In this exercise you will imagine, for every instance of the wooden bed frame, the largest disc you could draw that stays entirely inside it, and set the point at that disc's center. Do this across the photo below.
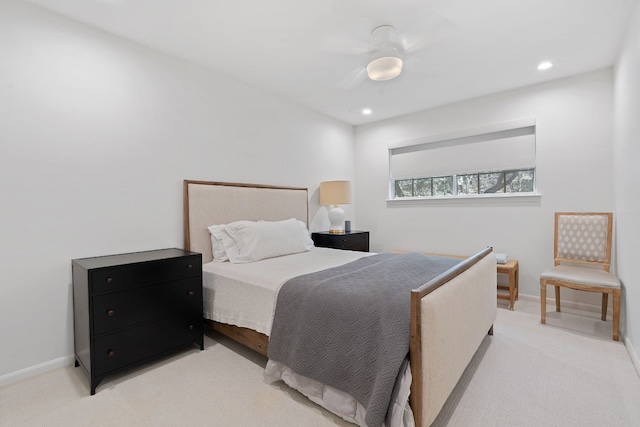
(458, 306)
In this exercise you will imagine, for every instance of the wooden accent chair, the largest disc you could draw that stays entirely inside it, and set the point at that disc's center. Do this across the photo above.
(583, 240)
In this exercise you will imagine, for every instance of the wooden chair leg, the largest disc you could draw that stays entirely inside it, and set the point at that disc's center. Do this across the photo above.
(616, 314)
(543, 302)
(557, 298)
(605, 303)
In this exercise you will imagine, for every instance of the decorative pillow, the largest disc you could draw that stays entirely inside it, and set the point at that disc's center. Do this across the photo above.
(249, 241)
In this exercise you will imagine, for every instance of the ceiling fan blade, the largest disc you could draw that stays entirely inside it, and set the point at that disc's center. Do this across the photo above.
(340, 43)
(353, 79)
(430, 33)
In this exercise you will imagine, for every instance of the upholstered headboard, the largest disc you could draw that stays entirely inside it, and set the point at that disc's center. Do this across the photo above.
(207, 203)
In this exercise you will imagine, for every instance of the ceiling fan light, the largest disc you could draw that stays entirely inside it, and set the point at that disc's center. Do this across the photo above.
(385, 65)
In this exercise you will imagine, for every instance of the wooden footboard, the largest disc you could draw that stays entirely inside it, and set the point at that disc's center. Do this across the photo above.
(456, 318)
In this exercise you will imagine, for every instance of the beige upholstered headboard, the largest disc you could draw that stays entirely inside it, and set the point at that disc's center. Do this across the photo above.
(207, 203)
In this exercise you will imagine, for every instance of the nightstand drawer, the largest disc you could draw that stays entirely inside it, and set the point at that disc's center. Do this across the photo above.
(120, 349)
(140, 274)
(353, 241)
(117, 310)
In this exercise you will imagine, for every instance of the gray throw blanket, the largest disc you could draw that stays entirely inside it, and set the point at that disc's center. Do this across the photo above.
(348, 326)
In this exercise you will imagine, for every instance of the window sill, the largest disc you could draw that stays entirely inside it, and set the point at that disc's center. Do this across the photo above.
(527, 198)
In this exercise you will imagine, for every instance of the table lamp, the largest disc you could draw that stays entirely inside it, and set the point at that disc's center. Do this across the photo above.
(335, 193)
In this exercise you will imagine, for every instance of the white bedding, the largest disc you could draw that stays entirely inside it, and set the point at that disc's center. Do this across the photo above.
(341, 403)
(246, 294)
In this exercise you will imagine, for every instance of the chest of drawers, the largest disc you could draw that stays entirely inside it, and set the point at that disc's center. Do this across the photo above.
(130, 308)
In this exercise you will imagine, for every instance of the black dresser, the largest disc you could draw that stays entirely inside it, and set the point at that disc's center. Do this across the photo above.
(350, 240)
(129, 308)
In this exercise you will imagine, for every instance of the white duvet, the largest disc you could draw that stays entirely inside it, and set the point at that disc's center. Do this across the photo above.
(246, 294)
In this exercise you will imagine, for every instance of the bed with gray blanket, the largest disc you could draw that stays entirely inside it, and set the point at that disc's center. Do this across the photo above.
(364, 307)
(352, 327)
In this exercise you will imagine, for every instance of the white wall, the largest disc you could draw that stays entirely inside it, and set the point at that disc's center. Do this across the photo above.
(574, 173)
(626, 148)
(96, 136)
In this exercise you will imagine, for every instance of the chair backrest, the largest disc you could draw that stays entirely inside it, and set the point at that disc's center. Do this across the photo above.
(583, 237)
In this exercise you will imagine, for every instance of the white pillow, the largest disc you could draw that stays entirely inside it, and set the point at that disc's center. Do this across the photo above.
(249, 241)
(217, 243)
(306, 235)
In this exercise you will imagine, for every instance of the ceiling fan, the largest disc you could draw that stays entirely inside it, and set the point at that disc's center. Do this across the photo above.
(388, 52)
(385, 61)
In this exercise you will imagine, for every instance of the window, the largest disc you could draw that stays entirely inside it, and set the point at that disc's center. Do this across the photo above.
(424, 187)
(499, 159)
(519, 181)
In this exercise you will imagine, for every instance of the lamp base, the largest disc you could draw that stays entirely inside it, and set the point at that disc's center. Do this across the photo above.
(336, 218)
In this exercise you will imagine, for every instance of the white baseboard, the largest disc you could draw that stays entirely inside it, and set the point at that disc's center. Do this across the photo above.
(632, 354)
(32, 371)
(551, 302)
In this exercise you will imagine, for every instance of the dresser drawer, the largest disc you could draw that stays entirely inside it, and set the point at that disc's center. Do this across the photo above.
(120, 309)
(140, 274)
(123, 348)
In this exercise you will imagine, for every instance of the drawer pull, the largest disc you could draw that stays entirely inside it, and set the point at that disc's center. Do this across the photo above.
(189, 266)
(191, 327)
(110, 312)
(189, 293)
(111, 353)
(109, 279)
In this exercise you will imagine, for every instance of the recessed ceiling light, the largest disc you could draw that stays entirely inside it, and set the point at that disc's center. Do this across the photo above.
(545, 65)
(366, 111)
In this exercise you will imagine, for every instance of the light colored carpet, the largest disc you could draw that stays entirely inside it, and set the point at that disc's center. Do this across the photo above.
(567, 373)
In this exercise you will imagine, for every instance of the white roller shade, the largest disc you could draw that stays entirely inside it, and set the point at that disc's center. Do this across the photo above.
(494, 151)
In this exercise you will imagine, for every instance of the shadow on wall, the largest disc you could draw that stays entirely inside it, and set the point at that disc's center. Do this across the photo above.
(320, 221)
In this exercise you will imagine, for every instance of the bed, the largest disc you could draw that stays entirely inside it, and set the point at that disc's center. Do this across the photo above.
(449, 316)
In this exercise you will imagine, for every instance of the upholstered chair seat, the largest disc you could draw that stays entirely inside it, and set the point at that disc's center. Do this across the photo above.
(581, 276)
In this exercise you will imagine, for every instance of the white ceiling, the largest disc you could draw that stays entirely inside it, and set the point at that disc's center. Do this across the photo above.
(313, 52)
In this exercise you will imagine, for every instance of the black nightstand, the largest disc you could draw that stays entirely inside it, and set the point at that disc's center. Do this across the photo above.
(351, 240)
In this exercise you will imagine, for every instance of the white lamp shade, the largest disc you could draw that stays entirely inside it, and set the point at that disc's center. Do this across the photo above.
(335, 192)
